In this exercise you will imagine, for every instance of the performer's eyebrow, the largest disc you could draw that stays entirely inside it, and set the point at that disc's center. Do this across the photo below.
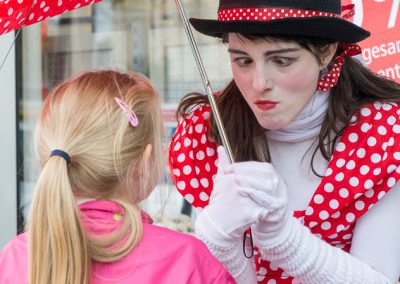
(267, 53)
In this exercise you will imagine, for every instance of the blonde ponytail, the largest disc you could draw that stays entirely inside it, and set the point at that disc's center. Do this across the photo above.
(58, 247)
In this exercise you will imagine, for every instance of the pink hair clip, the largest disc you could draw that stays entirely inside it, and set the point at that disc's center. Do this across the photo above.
(133, 120)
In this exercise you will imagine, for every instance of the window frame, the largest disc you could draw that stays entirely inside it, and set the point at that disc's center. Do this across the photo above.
(8, 143)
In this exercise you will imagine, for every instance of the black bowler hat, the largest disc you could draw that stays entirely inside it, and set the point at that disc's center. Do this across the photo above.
(315, 18)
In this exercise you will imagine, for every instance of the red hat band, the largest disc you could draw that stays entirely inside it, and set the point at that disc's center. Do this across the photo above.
(267, 14)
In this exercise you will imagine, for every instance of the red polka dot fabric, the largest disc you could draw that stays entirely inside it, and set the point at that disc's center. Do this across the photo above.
(330, 79)
(192, 158)
(267, 14)
(365, 165)
(363, 168)
(19, 13)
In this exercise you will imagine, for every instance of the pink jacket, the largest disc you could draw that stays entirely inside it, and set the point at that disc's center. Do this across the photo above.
(163, 255)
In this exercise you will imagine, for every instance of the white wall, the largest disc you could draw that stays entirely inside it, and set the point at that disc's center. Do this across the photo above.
(8, 128)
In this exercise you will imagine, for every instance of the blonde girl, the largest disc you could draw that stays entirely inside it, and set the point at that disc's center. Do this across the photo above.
(100, 150)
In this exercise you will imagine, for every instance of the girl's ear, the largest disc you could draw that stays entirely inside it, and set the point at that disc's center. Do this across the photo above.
(147, 153)
(329, 54)
(148, 181)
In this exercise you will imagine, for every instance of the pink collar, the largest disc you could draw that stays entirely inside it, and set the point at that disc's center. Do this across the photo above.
(107, 207)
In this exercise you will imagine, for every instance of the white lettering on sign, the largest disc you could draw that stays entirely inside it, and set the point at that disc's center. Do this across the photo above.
(382, 50)
(359, 12)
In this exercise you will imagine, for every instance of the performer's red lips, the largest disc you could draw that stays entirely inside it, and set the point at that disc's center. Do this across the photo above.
(265, 104)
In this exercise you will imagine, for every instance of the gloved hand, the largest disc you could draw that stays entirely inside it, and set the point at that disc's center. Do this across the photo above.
(236, 201)
(269, 226)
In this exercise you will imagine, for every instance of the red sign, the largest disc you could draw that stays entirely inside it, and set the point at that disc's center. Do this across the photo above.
(381, 51)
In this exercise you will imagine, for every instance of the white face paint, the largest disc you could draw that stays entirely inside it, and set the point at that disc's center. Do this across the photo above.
(277, 79)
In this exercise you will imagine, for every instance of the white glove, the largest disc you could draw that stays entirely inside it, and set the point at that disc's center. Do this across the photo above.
(270, 226)
(235, 203)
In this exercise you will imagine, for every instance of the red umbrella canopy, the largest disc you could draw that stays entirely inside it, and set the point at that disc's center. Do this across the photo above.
(15, 14)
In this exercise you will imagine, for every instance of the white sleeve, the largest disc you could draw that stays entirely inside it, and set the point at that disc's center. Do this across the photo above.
(313, 261)
(376, 239)
(229, 252)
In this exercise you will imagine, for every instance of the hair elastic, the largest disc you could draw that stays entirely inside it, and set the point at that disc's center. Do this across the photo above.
(61, 154)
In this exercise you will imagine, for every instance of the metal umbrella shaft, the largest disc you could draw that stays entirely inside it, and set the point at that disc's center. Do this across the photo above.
(206, 82)
(214, 108)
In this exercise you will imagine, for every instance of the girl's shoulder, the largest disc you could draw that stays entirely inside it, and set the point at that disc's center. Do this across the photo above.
(192, 157)
(180, 253)
(172, 243)
(15, 247)
(14, 261)
(173, 238)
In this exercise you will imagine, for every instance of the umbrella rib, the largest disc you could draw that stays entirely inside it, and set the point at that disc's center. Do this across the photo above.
(16, 36)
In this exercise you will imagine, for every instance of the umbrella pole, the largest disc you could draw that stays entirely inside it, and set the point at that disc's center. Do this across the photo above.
(206, 82)
(214, 109)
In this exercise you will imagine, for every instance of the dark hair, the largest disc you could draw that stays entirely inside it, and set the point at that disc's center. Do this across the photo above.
(356, 86)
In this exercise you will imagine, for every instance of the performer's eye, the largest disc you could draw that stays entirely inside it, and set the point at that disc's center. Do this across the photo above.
(283, 61)
(242, 61)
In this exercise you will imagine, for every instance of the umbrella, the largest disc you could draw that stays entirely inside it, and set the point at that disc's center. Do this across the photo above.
(15, 14)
